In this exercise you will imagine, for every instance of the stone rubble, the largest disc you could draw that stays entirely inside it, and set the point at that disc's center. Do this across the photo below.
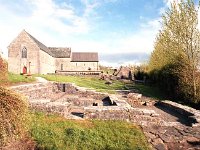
(163, 131)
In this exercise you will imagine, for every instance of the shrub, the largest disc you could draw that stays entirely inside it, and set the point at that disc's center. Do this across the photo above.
(3, 70)
(140, 75)
(166, 80)
(13, 116)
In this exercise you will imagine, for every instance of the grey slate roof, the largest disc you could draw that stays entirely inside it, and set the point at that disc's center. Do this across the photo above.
(57, 52)
(60, 52)
(84, 57)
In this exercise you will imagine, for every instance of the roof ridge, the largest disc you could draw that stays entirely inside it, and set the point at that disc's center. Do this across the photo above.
(36, 40)
(40, 44)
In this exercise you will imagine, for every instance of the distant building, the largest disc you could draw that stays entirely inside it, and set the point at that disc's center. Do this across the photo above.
(27, 55)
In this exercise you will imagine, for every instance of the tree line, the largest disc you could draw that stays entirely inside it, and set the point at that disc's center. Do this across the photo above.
(175, 61)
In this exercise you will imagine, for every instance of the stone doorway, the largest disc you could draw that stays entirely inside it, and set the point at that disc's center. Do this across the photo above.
(24, 70)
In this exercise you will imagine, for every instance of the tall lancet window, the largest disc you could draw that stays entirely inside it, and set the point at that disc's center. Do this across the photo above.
(24, 52)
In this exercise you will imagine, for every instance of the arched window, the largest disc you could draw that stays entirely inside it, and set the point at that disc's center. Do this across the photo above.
(24, 52)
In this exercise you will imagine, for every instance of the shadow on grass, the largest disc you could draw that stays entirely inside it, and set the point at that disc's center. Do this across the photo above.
(148, 91)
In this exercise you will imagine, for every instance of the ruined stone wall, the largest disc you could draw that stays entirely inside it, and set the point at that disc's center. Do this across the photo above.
(46, 106)
(192, 114)
(15, 62)
(136, 115)
(37, 90)
(47, 63)
(70, 88)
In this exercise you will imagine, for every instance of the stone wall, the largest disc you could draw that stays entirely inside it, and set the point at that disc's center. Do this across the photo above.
(124, 73)
(62, 61)
(192, 114)
(46, 106)
(15, 62)
(75, 66)
(136, 100)
(58, 98)
(47, 63)
(84, 66)
(38, 61)
(70, 88)
(136, 115)
(42, 97)
(37, 90)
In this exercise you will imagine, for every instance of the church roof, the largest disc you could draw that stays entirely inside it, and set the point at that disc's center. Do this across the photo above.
(84, 57)
(60, 52)
(57, 52)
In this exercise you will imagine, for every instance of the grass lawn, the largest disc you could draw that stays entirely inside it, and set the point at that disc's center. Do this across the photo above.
(89, 82)
(56, 133)
(148, 91)
(17, 78)
(99, 85)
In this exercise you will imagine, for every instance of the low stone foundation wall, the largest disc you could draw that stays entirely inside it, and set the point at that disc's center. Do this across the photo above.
(137, 115)
(46, 106)
(70, 88)
(135, 99)
(57, 98)
(74, 102)
(192, 114)
(61, 98)
(36, 90)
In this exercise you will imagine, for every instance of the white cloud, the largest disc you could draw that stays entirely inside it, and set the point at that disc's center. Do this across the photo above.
(45, 16)
(142, 40)
(54, 25)
(90, 6)
(56, 17)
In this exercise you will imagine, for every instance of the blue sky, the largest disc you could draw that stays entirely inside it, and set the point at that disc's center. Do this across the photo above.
(122, 31)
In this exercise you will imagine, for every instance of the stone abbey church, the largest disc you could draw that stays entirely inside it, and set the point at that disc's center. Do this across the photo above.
(27, 55)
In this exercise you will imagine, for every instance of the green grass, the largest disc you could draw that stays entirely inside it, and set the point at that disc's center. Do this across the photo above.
(148, 91)
(56, 133)
(99, 85)
(89, 82)
(16, 78)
